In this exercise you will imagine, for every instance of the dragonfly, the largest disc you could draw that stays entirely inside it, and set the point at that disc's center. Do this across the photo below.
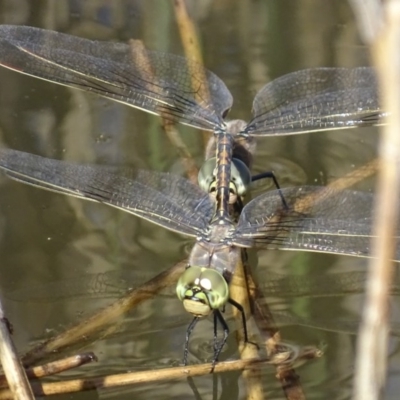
(182, 91)
(317, 219)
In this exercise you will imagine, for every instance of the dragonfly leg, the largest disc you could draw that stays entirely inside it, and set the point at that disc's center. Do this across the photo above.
(244, 323)
(272, 176)
(189, 331)
(242, 313)
(215, 332)
(218, 347)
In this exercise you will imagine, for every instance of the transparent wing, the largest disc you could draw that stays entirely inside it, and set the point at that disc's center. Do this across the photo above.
(165, 199)
(110, 284)
(318, 219)
(160, 83)
(114, 284)
(348, 326)
(317, 99)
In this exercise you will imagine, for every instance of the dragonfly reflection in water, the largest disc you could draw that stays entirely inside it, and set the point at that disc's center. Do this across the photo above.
(181, 90)
(314, 219)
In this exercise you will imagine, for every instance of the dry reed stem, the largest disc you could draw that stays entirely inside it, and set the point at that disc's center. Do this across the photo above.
(372, 347)
(252, 377)
(55, 367)
(13, 370)
(134, 378)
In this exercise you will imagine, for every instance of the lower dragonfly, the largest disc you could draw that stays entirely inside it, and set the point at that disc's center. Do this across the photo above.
(319, 219)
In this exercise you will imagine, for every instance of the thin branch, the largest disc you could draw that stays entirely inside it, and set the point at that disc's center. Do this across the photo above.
(13, 370)
(55, 367)
(239, 293)
(166, 374)
(371, 363)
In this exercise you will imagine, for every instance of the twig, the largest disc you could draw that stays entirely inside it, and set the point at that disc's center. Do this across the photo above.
(132, 378)
(62, 365)
(14, 372)
(56, 367)
(251, 376)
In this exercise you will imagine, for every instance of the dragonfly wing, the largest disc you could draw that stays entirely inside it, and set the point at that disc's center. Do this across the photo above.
(109, 284)
(113, 284)
(164, 84)
(311, 285)
(319, 219)
(165, 199)
(317, 99)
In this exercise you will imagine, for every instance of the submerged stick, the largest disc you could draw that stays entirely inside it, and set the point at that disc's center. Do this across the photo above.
(106, 316)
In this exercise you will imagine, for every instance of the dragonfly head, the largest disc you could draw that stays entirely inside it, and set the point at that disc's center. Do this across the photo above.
(202, 290)
(240, 178)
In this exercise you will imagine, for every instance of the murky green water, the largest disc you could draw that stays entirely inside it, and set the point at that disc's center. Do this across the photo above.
(48, 237)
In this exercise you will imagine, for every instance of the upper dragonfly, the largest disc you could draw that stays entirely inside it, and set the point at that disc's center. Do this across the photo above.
(182, 90)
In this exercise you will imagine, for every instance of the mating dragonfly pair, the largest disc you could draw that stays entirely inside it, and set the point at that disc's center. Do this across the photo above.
(317, 219)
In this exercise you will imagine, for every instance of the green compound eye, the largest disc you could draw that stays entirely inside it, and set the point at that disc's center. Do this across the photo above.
(202, 290)
(240, 176)
(206, 175)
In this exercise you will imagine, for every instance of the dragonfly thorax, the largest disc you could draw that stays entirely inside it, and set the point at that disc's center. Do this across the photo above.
(202, 290)
(235, 126)
(239, 183)
(217, 253)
